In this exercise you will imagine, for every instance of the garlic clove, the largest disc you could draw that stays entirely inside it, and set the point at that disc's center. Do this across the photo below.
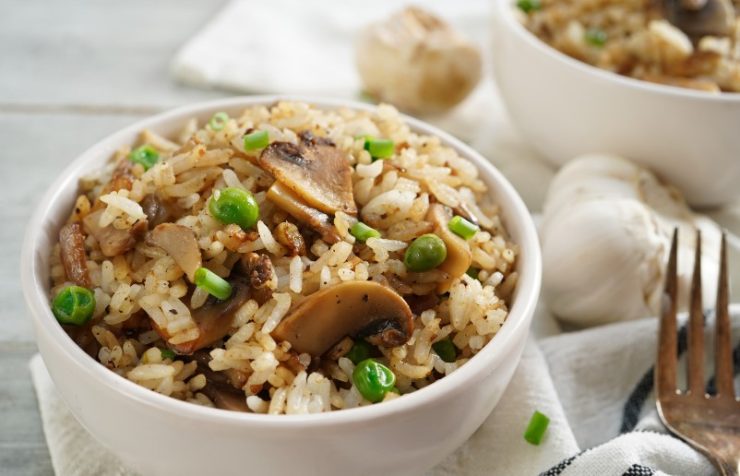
(417, 62)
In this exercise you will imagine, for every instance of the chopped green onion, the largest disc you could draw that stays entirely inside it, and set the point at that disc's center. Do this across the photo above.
(167, 354)
(379, 148)
(218, 121)
(73, 305)
(462, 227)
(373, 379)
(536, 428)
(473, 272)
(145, 155)
(528, 5)
(445, 349)
(362, 232)
(360, 351)
(595, 37)
(256, 140)
(212, 283)
(234, 205)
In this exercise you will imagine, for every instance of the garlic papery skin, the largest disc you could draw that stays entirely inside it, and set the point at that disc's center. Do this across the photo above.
(606, 234)
(417, 62)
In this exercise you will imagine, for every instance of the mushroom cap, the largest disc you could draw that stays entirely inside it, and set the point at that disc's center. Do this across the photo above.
(459, 256)
(213, 319)
(180, 243)
(291, 204)
(701, 18)
(315, 170)
(356, 308)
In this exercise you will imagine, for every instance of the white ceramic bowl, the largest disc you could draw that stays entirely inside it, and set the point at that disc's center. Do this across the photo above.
(158, 435)
(565, 107)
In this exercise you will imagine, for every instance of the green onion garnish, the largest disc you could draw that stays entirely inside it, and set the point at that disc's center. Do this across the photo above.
(256, 140)
(362, 232)
(462, 227)
(73, 305)
(167, 354)
(528, 5)
(473, 272)
(379, 148)
(595, 37)
(145, 155)
(218, 121)
(212, 283)
(445, 349)
(536, 428)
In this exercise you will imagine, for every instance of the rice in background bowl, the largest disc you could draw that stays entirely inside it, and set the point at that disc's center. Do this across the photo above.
(115, 410)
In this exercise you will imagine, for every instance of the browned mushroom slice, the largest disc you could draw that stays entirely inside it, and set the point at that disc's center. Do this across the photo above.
(459, 256)
(213, 319)
(179, 242)
(288, 202)
(74, 259)
(699, 18)
(157, 210)
(315, 170)
(355, 308)
(113, 241)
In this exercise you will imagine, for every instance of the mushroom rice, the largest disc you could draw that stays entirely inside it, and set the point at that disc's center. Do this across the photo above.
(692, 43)
(286, 260)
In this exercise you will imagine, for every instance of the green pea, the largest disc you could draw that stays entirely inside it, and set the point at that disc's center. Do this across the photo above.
(167, 354)
(73, 305)
(425, 253)
(235, 205)
(373, 379)
(360, 351)
(445, 349)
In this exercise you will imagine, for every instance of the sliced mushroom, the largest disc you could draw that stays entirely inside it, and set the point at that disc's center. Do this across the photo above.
(223, 388)
(213, 319)
(180, 243)
(699, 18)
(291, 204)
(113, 241)
(157, 211)
(355, 308)
(459, 256)
(121, 178)
(74, 259)
(287, 234)
(315, 170)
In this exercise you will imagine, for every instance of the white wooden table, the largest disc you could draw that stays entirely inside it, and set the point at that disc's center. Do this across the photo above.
(70, 73)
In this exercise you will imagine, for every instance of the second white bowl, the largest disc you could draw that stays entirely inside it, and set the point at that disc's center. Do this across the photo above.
(566, 108)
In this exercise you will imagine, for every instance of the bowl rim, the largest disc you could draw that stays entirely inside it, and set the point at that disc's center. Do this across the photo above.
(506, 11)
(520, 314)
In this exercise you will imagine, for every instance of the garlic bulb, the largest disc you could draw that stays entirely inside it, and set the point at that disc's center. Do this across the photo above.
(417, 62)
(606, 234)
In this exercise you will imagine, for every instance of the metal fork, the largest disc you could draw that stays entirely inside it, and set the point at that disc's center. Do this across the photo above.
(711, 424)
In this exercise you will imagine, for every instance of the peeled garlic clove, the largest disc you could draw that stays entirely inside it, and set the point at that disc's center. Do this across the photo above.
(417, 62)
(606, 235)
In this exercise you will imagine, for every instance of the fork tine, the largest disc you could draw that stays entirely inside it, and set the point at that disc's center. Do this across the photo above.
(695, 339)
(722, 341)
(665, 370)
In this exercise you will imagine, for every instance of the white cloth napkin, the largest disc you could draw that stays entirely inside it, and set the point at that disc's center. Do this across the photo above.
(595, 385)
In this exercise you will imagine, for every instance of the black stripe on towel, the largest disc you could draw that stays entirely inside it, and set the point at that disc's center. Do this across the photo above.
(639, 470)
(636, 400)
(560, 467)
(711, 385)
